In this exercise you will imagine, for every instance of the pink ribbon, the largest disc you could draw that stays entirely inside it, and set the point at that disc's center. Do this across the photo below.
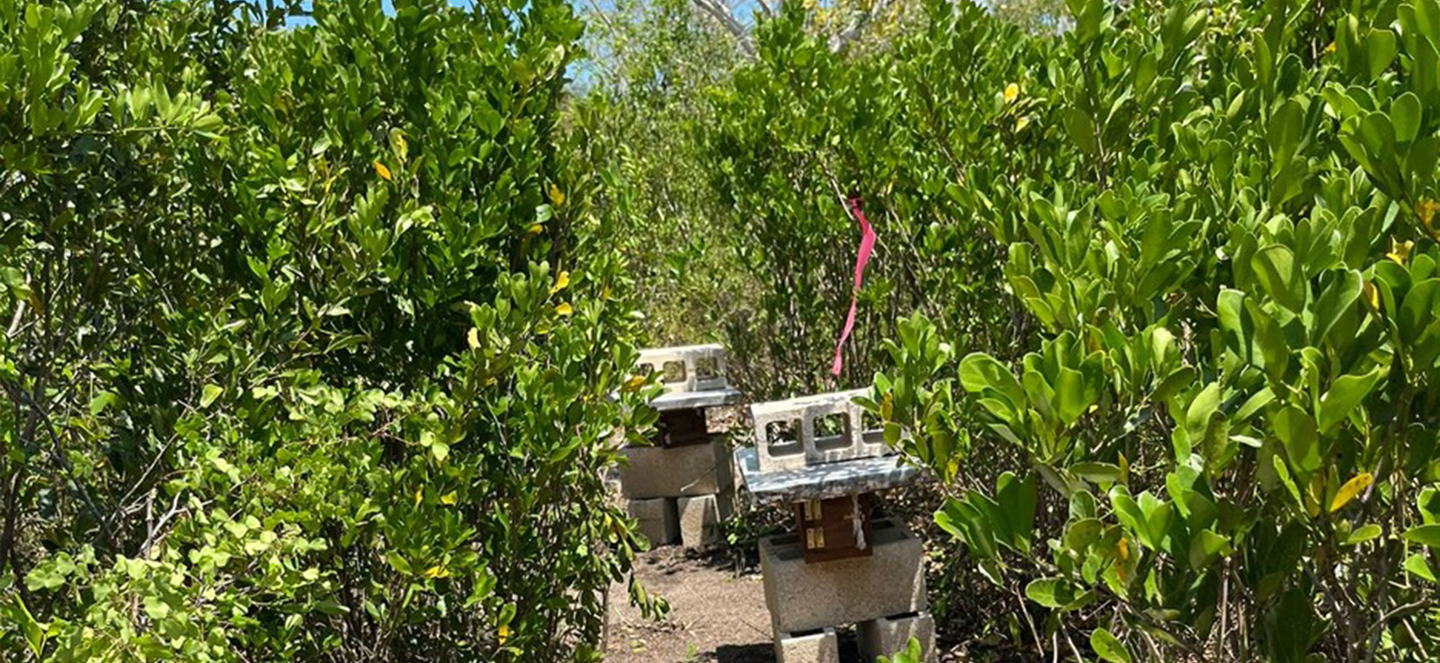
(867, 244)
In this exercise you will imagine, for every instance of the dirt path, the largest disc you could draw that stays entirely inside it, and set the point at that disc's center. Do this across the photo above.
(715, 616)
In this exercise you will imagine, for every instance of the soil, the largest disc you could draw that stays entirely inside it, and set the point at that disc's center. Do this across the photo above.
(715, 615)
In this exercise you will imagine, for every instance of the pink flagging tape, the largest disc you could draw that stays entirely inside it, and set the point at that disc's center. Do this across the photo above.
(867, 244)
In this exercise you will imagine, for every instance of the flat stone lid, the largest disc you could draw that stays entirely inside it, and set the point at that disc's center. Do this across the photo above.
(823, 481)
(684, 400)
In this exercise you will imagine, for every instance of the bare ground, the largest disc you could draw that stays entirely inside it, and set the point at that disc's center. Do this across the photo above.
(715, 615)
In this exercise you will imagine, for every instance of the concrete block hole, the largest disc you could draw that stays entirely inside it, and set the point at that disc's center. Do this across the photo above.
(784, 438)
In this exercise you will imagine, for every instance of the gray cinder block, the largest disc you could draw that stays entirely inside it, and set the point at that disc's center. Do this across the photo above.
(656, 519)
(695, 469)
(691, 358)
(812, 448)
(819, 647)
(700, 518)
(886, 635)
(803, 597)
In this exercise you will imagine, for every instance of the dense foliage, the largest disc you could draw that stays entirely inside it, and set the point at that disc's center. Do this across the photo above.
(806, 126)
(309, 335)
(1222, 217)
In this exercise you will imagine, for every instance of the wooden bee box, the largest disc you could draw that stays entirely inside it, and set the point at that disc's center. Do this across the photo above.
(678, 428)
(827, 528)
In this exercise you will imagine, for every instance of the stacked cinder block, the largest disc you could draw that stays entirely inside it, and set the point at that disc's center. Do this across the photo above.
(841, 565)
(680, 487)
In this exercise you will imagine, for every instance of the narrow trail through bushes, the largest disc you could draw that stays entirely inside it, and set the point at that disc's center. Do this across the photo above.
(715, 615)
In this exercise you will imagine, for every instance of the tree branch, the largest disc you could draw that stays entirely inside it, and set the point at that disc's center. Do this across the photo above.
(723, 14)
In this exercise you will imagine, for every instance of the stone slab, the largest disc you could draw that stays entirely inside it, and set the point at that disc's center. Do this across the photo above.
(822, 646)
(817, 482)
(811, 446)
(694, 469)
(681, 400)
(887, 635)
(803, 597)
(657, 519)
(701, 517)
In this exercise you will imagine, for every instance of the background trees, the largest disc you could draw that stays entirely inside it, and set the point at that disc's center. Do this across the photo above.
(310, 336)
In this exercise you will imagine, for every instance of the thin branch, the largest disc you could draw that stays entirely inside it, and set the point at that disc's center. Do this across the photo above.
(726, 17)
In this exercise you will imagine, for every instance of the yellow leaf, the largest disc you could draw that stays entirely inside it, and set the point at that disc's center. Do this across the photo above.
(556, 195)
(503, 633)
(564, 309)
(1400, 251)
(634, 383)
(1372, 297)
(419, 492)
(561, 282)
(1012, 92)
(1351, 488)
(1330, 48)
(382, 171)
(1021, 123)
(473, 338)
(535, 229)
(887, 406)
(1426, 211)
(448, 498)
(436, 572)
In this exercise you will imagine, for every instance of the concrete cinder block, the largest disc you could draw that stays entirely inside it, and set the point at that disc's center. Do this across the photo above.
(822, 646)
(812, 448)
(887, 635)
(700, 518)
(694, 469)
(803, 597)
(657, 520)
(701, 367)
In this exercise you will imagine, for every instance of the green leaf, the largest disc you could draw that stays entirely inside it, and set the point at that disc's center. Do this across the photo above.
(1053, 593)
(1419, 564)
(1205, 547)
(1081, 129)
(1344, 396)
(1363, 534)
(1418, 309)
(1108, 647)
(980, 372)
(1406, 115)
(1426, 535)
(209, 394)
(1298, 433)
(1016, 499)
(1279, 274)
(101, 401)
(1284, 132)
(1380, 49)
(1097, 472)
(1338, 298)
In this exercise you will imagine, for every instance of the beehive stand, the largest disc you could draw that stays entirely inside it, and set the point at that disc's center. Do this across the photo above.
(680, 487)
(841, 565)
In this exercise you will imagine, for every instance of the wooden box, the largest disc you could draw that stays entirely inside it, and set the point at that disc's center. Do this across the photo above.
(837, 528)
(678, 428)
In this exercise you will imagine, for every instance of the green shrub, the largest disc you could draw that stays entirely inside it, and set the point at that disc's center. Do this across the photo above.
(805, 126)
(1225, 445)
(309, 337)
